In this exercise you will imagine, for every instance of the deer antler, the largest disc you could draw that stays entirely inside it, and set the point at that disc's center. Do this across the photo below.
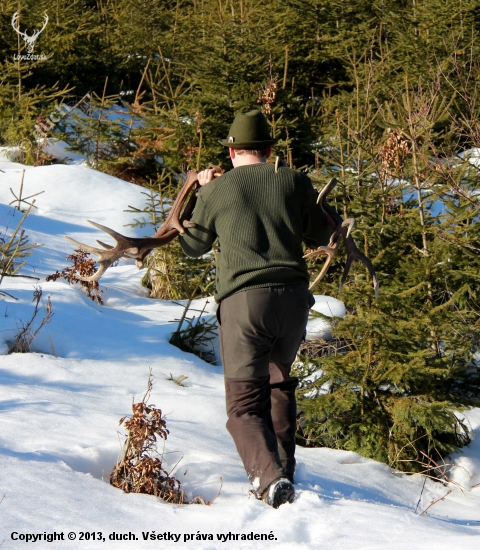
(138, 248)
(344, 229)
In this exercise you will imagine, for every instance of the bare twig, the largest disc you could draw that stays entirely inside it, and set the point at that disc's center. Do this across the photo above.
(26, 335)
(457, 244)
(421, 493)
(435, 502)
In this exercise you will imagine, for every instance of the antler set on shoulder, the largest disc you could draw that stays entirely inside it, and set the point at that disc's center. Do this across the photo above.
(344, 229)
(177, 220)
(138, 248)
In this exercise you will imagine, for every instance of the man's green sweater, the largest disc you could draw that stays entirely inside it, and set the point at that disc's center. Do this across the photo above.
(260, 218)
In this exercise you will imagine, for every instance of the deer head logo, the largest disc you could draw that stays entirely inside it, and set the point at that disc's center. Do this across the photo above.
(29, 40)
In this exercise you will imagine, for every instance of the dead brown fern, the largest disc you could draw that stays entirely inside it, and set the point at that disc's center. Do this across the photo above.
(137, 471)
(84, 266)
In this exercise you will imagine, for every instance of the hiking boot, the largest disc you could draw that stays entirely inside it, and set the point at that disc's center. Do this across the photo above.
(279, 492)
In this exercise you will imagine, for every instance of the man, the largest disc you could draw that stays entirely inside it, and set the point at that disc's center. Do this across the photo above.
(261, 216)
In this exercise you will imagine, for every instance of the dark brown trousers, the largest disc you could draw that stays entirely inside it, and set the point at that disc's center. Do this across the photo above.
(260, 331)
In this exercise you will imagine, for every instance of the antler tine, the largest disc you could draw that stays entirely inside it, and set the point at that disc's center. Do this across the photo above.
(85, 247)
(355, 254)
(107, 246)
(117, 236)
(330, 252)
(100, 271)
(349, 223)
(326, 190)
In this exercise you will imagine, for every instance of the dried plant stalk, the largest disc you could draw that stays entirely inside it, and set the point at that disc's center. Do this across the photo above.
(27, 334)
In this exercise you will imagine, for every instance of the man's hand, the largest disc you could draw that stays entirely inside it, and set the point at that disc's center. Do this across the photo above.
(206, 176)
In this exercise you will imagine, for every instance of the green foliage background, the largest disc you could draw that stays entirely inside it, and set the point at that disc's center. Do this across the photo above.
(382, 95)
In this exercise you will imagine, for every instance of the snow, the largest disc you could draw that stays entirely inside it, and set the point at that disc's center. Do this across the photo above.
(319, 327)
(60, 407)
(51, 146)
(59, 150)
(466, 466)
(10, 155)
(472, 156)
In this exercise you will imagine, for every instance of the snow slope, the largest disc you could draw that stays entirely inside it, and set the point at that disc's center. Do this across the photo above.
(60, 409)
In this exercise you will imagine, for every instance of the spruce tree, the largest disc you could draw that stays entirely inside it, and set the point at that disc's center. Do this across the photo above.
(408, 362)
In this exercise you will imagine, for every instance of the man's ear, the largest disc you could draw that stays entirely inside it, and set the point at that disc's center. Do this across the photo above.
(269, 151)
(231, 150)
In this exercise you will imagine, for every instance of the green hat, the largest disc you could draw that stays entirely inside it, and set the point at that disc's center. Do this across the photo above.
(249, 131)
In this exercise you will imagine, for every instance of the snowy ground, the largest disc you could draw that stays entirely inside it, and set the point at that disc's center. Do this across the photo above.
(60, 409)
